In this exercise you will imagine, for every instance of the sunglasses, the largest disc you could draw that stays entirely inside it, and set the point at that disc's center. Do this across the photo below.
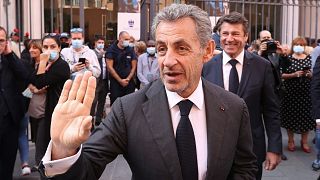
(52, 35)
(73, 30)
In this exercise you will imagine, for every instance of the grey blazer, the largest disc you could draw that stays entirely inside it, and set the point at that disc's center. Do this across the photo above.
(139, 126)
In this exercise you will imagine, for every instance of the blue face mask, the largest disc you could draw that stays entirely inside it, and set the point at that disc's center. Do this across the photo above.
(298, 49)
(151, 50)
(53, 56)
(77, 43)
(125, 43)
(131, 45)
(100, 46)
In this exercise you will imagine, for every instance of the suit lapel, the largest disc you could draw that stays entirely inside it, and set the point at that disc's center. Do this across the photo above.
(216, 117)
(157, 113)
(246, 72)
(218, 77)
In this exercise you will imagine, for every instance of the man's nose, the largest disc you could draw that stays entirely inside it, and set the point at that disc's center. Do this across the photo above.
(170, 58)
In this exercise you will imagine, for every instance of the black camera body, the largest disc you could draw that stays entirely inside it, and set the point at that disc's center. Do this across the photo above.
(271, 46)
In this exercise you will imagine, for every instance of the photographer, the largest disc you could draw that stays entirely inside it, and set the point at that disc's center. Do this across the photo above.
(277, 55)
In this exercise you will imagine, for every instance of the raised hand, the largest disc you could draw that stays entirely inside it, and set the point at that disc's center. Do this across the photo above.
(71, 120)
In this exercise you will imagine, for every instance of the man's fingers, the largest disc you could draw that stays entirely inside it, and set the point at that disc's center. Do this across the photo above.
(75, 87)
(83, 86)
(65, 92)
(90, 92)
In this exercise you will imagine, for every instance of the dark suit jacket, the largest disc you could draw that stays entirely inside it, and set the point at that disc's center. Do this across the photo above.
(315, 89)
(257, 89)
(13, 81)
(140, 127)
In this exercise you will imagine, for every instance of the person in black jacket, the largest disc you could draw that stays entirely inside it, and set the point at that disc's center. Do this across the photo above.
(52, 73)
(13, 75)
(122, 65)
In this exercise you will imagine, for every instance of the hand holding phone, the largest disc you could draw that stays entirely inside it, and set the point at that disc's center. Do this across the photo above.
(82, 60)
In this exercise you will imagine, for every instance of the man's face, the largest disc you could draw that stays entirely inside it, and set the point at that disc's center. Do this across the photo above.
(76, 36)
(232, 38)
(180, 56)
(265, 35)
(3, 41)
(124, 37)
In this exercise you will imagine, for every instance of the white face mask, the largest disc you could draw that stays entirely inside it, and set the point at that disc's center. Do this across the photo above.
(77, 43)
(298, 49)
(125, 43)
(151, 50)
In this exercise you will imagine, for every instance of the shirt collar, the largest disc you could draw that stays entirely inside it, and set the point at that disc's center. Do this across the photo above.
(227, 58)
(197, 97)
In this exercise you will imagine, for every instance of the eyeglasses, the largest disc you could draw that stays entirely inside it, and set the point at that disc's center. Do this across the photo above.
(73, 30)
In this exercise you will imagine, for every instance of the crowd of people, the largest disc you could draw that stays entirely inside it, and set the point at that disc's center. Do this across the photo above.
(57, 83)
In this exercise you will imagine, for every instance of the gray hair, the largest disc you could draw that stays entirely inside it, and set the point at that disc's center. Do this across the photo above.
(175, 12)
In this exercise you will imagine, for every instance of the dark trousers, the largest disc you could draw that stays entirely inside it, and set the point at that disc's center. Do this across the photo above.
(99, 100)
(35, 133)
(116, 90)
(43, 139)
(259, 173)
(9, 132)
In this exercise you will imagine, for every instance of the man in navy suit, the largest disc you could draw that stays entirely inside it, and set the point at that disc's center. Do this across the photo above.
(254, 83)
(12, 78)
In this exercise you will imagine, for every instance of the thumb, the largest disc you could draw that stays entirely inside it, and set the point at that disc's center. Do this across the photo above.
(85, 128)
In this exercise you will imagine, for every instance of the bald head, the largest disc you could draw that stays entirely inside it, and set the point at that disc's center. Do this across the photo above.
(265, 35)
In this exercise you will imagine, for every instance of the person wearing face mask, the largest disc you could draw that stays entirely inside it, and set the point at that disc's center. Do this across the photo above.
(148, 69)
(102, 88)
(296, 103)
(76, 51)
(122, 65)
(65, 41)
(132, 41)
(51, 73)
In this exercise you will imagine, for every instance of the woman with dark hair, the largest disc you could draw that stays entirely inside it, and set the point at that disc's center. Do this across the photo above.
(51, 74)
(296, 103)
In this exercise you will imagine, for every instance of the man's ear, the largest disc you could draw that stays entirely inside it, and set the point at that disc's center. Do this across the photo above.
(208, 51)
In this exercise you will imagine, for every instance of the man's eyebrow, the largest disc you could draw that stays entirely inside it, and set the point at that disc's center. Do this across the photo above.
(177, 42)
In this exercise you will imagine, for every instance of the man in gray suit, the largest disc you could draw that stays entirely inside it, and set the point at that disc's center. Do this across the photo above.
(254, 83)
(146, 127)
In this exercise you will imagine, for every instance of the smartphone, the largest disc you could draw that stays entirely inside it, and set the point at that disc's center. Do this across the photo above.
(82, 60)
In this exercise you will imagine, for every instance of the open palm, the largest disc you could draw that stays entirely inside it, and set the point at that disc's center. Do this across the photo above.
(71, 120)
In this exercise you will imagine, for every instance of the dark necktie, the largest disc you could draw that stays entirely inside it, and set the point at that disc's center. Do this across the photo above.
(233, 78)
(186, 143)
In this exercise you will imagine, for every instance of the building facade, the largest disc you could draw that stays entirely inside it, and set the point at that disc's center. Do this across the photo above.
(285, 19)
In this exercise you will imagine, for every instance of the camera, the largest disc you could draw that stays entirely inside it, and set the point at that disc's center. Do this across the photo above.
(271, 46)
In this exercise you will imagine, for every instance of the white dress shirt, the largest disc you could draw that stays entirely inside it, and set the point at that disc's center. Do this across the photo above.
(197, 117)
(226, 67)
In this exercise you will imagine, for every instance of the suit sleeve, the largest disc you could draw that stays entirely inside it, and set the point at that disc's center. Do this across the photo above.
(315, 89)
(104, 145)
(271, 113)
(245, 162)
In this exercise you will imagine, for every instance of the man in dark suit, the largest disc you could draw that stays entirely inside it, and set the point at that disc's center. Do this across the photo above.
(102, 82)
(12, 80)
(145, 126)
(254, 83)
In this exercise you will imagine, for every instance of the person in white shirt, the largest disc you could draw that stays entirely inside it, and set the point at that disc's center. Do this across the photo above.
(77, 51)
(147, 126)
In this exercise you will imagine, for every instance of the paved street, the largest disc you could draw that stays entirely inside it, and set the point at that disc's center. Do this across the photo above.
(297, 167)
